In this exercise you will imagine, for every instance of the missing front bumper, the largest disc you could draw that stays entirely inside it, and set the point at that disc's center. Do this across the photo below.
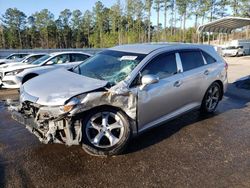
(29, 123)
(63, 131)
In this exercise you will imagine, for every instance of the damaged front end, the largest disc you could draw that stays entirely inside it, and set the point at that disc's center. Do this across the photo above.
(62, 124)
(49, 124)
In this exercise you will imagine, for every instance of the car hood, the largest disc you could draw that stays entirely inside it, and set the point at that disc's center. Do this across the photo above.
(5, 60)
(10, 65)
(18, 66)
(55, 87)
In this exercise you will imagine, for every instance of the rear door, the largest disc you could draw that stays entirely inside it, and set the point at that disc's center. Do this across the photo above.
(194, 76)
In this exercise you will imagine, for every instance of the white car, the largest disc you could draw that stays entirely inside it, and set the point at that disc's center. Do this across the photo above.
(27, 59)
(233, 51)
(13, 77)
(13, 57)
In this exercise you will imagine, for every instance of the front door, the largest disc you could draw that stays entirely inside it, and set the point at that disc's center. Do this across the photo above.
(159, 99)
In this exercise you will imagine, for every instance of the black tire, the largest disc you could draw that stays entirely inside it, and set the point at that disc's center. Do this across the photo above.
(28, 77)
(204, 106)
(117, 148)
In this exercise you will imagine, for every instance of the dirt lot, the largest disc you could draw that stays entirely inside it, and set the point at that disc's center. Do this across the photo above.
(191, 151)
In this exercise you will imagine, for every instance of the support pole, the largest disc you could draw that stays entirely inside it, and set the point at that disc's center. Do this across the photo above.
(208, 37)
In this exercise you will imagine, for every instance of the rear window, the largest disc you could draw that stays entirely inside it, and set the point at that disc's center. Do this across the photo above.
(191, 60)
(209, 59)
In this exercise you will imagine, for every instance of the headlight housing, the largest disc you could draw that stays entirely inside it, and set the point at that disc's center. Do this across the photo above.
(70, 104)
(12, 73)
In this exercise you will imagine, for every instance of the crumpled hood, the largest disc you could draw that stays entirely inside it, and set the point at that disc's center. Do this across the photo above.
(55, 87)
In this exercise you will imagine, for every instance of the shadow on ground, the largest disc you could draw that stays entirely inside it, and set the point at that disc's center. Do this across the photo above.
(2, 174)
(157, 134)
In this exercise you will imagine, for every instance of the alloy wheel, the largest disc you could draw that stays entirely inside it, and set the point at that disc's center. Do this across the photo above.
(104, 129)
(213, 97)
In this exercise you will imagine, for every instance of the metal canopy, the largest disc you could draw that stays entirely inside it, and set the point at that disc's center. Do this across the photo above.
(224, 25)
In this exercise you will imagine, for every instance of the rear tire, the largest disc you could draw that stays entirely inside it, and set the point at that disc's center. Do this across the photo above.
(211, 98)
(105, 132)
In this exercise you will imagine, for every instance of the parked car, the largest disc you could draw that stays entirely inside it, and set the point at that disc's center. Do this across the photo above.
(13, 57)
(14, 77)
(27, 59)
(121, 92)
(233, 51)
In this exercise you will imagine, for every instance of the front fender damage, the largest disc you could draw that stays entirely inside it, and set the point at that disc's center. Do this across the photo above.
(50, 125)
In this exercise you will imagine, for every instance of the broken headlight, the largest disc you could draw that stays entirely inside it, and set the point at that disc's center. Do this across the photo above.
(70, 104)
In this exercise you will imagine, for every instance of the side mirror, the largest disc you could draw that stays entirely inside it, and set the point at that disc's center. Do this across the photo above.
(147, 80)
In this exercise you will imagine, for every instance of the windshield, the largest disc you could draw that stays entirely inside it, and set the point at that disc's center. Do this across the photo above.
(109, 65)
(16, 56)
(12, 56)
(22, 59)
(41, 60)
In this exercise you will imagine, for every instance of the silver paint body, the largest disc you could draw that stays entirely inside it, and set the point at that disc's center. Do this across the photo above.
(148, 107)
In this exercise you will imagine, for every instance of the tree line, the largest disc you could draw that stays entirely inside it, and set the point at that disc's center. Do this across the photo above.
(129, 21)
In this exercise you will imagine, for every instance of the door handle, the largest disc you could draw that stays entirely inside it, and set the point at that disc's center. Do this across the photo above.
(177, 83)
(206, 72)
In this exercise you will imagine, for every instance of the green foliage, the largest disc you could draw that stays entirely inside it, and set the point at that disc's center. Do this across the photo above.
(127, 21)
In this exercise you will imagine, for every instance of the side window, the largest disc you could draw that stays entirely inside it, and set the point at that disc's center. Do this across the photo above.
(208, 58)
(22, 55)
(164, 65)
(32, 58)
(191, 60)
(60, 59)
(13, 57)
(78, 57)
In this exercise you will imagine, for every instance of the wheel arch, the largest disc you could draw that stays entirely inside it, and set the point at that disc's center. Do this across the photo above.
(221, 86)
(29, 76)
(132, 122)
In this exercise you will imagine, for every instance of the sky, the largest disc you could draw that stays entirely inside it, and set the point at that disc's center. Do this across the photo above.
(56, 6)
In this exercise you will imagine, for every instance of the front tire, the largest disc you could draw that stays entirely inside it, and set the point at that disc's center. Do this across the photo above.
(105, 132)
(211, 98)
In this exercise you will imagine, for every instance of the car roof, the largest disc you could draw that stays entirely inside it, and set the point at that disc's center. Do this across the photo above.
(34, 54)
(68, 52)
(19, 53)
(147, 48)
